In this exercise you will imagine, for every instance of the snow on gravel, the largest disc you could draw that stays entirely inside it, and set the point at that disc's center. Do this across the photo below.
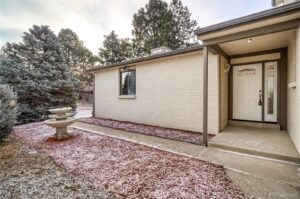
(174, 134)
(27, 174)
(130, 170)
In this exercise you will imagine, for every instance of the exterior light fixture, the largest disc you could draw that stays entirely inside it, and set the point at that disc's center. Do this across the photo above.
(227, 68)
(249, 40)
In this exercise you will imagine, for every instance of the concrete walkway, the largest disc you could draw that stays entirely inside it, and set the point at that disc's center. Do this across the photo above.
(264, 178)
(271, 143)
(84, 110)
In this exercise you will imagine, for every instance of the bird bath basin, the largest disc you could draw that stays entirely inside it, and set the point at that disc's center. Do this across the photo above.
(60, 119)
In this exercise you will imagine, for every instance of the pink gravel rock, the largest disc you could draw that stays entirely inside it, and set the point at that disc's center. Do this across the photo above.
(174, 134)
(131, 170)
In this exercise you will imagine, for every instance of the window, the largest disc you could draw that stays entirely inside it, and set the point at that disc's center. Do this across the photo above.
(127, 83)
(270, 81)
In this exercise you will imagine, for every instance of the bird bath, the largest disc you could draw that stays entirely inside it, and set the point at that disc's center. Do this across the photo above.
(60, 119)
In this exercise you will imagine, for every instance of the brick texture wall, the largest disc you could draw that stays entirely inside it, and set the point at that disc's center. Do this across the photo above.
(223, 94)
(293, 103)
(168, 93)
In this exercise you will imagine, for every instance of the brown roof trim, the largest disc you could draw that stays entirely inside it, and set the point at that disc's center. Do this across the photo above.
(151, 57)
(281, 10)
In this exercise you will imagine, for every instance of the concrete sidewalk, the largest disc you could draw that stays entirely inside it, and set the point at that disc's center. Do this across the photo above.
(264, 178)
(269, 143)
(84, 111)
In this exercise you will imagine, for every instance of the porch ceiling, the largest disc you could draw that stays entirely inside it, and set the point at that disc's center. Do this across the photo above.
(258, 43)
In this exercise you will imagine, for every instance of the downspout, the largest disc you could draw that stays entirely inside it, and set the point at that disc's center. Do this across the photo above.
(205, 93)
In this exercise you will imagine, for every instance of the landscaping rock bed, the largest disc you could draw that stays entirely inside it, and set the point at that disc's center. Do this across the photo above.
(174, 134)
(28, 174)
(127, 169)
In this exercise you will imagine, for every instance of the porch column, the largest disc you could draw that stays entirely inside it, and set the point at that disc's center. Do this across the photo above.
(205, 93)
(94, 97)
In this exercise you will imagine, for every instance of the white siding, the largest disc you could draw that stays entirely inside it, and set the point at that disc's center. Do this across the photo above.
(169, 93)
(293, 103)
(223, 94)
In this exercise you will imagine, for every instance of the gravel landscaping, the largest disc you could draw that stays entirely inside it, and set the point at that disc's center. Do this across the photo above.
(127, 169)
(174, 134)
(28, 174)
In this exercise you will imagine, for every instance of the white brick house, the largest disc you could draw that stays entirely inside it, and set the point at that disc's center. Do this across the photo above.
(247, 69)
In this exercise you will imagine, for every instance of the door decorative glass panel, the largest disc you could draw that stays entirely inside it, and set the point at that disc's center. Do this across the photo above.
(247, 71)
(271, 91)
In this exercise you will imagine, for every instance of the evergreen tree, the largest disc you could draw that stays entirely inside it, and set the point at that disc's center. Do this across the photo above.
(7, 110)
(161, 25)
(115, 49)
(152, 27)
(184, 25)
(36, 69)
(78, 58)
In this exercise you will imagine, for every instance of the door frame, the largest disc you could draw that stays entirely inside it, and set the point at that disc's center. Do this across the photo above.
(281, 85)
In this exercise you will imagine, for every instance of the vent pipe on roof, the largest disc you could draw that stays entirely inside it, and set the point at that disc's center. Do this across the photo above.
(160, 50)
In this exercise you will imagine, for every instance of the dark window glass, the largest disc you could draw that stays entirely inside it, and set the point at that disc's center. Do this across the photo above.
(128, 83)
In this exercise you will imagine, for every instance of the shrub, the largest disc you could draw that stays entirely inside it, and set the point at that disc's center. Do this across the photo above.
(37, 71)
(7, 110)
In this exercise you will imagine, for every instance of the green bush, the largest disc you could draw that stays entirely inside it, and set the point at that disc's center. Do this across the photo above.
(37, 71)
(7, 110)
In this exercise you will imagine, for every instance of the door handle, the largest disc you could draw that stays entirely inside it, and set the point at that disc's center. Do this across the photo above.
(260, 98)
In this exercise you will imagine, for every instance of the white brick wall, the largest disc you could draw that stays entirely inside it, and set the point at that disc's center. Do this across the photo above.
(223, 94)
(293, 103)
(296, 136)
(169, 93)
(213, 94)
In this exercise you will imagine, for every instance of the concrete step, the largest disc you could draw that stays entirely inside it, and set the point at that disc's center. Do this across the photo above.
(283, 173)
(262, 154)
(254, 124)
(262, 142)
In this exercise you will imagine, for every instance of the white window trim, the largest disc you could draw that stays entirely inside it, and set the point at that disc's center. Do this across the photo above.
(127, 96)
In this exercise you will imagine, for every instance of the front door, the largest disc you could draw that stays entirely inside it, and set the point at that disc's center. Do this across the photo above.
(247, 92)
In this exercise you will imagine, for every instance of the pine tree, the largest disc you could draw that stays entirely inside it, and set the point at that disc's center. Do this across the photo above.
(152, 27)
(185, 26)
(7, 110)
(78, 58)
(159, 24)
(114, 49)
(36, 69)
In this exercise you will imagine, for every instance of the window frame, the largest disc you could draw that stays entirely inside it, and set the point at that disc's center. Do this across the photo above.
(121, 95)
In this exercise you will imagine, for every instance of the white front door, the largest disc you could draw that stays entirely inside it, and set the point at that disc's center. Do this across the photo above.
(247, 92)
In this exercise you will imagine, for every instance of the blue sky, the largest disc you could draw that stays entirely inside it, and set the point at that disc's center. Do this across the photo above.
(91, 19)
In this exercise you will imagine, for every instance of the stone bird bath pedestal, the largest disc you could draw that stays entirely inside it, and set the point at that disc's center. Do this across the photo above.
(60, 119)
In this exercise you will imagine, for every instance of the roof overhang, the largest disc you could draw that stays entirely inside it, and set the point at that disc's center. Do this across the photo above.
(260, 43)
(273, 20)
(151, 57)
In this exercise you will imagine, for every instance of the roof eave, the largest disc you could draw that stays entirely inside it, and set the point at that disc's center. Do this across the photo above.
(250, 18)
(151, 57)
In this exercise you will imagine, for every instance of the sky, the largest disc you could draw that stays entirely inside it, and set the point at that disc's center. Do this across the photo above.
(91, 19)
